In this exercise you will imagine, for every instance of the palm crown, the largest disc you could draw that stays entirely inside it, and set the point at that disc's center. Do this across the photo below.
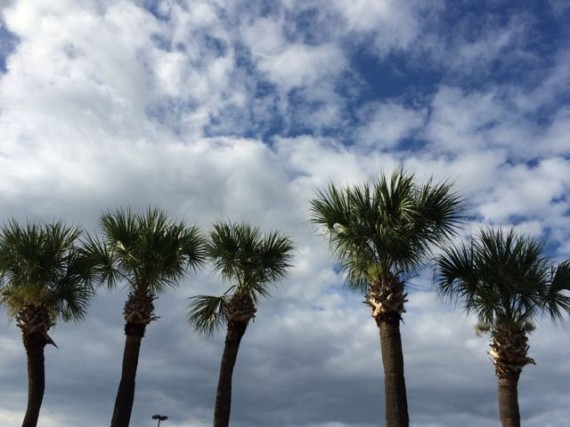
(144, 250)
(250, 260)
(503, 278)
(41, 267)
(387, 227)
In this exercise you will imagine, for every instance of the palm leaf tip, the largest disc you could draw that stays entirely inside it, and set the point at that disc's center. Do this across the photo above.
(558, 295)
(193, 246)
(207, 313)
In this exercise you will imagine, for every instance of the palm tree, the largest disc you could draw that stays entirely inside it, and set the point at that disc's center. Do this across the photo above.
(147, 252)
(381, 233)
(505, 281)
(43, 280)
(251, 262)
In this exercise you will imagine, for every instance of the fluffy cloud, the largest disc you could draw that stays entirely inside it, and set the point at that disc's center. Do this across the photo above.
(243, 110)
(387, 125)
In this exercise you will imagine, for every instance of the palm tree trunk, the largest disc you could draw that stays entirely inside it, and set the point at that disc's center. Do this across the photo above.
(393, 362)
(34, 344)
(126, 392)
(508, 400)
(224, 394)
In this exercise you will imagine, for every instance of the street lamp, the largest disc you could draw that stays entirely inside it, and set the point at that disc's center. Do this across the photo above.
(159, 418)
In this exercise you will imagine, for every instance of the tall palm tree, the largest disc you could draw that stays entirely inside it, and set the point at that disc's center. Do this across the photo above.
(251, 262)
(505, 281)
(43, 280)
(147, 252)
(381, 233)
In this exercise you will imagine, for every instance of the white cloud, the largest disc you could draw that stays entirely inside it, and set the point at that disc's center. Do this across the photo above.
(477, 55)
(103, 105)
(392, 25)
(527, 191)
(301, 66)
(555, 137)
(388, 124)
(316, 162)
(290, 65)
(466, 122)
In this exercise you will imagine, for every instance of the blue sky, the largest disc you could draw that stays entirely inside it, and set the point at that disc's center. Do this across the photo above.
(215, 109)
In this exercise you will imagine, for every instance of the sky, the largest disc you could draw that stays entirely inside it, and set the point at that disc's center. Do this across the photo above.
(242, 110)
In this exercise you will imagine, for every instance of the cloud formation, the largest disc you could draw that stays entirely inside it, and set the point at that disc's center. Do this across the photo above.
(243, 110)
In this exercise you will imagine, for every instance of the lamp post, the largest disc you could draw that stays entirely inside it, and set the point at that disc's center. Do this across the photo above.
(159, 418)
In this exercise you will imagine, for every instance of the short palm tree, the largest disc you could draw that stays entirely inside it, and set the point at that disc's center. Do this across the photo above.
(505, 281)
(43, 280)
(147, 252)
(251, 262)
(381, 233)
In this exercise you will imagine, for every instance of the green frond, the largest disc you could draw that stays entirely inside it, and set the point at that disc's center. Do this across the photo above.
(557, 297)
(192, 246)
(442, 211)
(71, 299)
(230, 247)
(98, 262)
(250, 259)
(329, 208)
(40, 265)
(503, 278)
(388, 226)
(145, 249)
(275, 256)
(120, 230)
(207, 313)
(458, 279)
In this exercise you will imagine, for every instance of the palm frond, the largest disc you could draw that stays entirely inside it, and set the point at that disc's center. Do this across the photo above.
(192, 246)
(120, 230)
(229, 248)
(275, 256)
(146, 249)
(71, 298)
(39, 266)
(387, 227)
(242, 254)
(337, 212)
(503, 278)
(207, 313)
(557, 296)
(440, 214)
(457, 278)
(97, 262)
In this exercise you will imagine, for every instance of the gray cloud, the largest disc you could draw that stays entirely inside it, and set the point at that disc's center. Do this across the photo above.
(216, 110)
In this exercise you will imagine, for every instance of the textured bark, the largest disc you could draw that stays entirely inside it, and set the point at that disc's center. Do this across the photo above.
(138, 312)
(126, 392)
(34, 344)
(508, 401)
(393, 362)
(509, 349)
(234, 335)
(386, 297)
